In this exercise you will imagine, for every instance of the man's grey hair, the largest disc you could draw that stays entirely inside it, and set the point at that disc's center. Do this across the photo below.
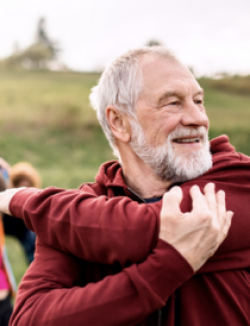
(120, 85)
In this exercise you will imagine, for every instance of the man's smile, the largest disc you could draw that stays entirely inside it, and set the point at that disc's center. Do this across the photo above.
(187, 140)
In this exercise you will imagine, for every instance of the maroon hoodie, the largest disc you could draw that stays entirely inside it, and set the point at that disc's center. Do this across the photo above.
(107, 267)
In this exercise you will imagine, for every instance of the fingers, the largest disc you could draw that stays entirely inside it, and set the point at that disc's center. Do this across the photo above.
(227, 224)
(211, 198)
(216, 201)
(171, 201)
(221, 206)
(217, 205)
(198, 199)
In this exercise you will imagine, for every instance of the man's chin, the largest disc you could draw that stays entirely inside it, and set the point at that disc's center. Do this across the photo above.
(189, 166)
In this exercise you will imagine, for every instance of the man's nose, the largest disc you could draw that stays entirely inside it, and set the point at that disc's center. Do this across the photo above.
(194, 115)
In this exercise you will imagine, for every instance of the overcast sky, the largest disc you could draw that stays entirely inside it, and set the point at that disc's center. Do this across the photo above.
(209, 35)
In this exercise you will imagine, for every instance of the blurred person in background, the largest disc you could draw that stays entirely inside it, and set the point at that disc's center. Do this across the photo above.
(22, 174)
(7, 281)
(5, 172)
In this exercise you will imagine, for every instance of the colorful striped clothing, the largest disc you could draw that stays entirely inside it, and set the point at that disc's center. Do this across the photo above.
(7, 280)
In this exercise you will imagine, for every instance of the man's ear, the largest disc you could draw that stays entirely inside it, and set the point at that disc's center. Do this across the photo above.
(119, 124)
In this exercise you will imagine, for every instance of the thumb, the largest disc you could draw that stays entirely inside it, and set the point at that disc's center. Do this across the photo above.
(171, 201)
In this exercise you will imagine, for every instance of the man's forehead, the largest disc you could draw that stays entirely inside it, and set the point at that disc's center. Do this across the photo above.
(158, 70)
(148, 60)
(157, 65)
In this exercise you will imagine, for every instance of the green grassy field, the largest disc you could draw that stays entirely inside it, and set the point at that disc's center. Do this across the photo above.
(46, 120)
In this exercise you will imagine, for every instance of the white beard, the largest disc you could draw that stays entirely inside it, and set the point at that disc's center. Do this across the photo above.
(166, 161)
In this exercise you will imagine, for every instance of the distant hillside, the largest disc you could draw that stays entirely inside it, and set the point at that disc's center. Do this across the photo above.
(229, 84)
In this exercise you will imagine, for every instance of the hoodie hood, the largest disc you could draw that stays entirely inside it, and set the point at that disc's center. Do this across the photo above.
(110, 174)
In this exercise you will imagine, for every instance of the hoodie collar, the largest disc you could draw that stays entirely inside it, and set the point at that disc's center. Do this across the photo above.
(221, 144)
(110, 174)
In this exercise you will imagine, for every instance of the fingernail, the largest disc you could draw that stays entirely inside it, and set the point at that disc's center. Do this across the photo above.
(211, 184)
(195, 187)
(176, 189)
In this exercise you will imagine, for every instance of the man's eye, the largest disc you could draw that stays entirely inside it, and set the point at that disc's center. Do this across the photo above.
(174, 103)
(199, 101)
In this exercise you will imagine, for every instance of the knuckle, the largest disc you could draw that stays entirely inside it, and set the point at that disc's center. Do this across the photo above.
(224, 234)
(226, 230)
(216, 228)
(168, 198)
(206, 216)
(165, 215)
(221, 193)
(173, 196)
(170, 219)
(223, 216)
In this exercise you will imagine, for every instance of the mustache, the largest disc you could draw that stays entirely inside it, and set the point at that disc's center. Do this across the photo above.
(182, 132)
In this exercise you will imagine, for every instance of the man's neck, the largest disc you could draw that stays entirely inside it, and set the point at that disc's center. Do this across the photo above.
(141, 179)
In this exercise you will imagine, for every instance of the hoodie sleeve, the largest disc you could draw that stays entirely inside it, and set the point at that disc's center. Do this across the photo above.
(49, 294)
(92, 227)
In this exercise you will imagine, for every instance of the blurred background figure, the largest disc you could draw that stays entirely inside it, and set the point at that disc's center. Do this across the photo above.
(7, 281)
(22, 174)
(5, 172)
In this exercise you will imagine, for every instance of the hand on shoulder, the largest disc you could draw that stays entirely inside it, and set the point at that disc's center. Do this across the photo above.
(198, 234)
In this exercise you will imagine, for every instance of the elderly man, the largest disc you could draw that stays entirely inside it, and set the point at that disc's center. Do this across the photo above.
(104, 257)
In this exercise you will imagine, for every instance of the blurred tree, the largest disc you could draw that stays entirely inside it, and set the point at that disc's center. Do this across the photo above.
(42, 38)
(38, 55)
(153, 43)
